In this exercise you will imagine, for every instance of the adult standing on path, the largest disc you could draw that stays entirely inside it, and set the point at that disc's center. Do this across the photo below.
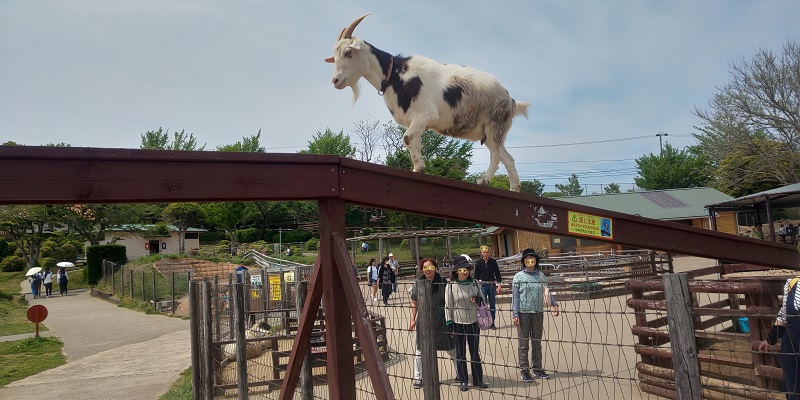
(487, 272)
(386, 278)
(529, 293)
(461, 306)
(47, 279)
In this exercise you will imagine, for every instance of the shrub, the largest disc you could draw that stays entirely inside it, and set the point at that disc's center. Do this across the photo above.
(248, 235)
(45, 262)
(212, 237)
(312, 244)
(94, 260)
(12, 264)
(4, 250)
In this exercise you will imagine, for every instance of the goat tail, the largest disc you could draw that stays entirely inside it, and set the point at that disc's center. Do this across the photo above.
(520, 108)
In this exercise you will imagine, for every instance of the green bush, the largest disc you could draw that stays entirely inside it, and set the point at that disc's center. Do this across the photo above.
(5, 251)
(312, 244)
(296, 236)
(212, 237)
(94, 260)
(248, 235)
(45, 262)
(12, 264)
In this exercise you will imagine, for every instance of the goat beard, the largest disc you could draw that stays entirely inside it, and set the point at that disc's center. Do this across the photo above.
(356, 88)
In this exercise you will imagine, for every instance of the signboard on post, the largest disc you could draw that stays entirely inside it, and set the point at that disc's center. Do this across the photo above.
(274, 287)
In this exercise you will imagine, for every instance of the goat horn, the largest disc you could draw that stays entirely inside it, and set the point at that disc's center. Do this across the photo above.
(341, 34)
(348, 32)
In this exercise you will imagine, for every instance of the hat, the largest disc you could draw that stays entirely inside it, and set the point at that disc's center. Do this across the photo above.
(467, 257)
(391, 255)
(461, 262)
(530, 253)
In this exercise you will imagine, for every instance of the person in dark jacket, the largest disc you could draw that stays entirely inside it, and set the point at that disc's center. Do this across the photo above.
(444, 340)
(386, 279)
(487, 273)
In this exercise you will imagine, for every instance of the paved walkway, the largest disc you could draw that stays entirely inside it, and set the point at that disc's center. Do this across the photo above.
(112, 352)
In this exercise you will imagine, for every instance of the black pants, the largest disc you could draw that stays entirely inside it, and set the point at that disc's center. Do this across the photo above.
(468, 335)
(386, 290)
(62, 286)
(48, 288)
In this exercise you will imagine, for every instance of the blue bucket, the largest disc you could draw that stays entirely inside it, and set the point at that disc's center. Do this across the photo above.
(744, 325)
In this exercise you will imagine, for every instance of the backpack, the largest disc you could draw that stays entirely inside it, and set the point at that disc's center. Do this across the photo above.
(37, 278)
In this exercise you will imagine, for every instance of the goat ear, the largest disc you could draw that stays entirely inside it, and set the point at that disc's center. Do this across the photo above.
(329, 60)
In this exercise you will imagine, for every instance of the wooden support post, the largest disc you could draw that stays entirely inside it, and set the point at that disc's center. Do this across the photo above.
(194, 333)
(208, 359)
(306, 373)
(230, 306)
(427, 341)
(338, 327)
(241, 344)
(682, 339)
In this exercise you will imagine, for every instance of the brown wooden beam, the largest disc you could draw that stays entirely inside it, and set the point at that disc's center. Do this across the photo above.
(364, 184)
(338, 326)
(361, 319)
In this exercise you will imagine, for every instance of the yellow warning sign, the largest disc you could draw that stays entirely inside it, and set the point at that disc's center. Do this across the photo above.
(274, 287)
(590, 225)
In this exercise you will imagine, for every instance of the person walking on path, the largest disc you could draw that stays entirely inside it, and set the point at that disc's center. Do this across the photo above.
(372, 276)
(36, 283)
(461, 307)
(487, 272)
(395, 265)
(62, 278)
(47, 279)
(529, 293)
(443, 340)
(386, 278)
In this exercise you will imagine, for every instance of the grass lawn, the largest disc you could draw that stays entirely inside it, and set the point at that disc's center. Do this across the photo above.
(28, 357)
(181, 389)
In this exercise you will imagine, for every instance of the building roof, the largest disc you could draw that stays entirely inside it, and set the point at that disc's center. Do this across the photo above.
(672, 204)
(783, 197)
(144, 227)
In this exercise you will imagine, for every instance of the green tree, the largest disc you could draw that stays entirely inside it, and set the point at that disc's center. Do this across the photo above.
(445, 157)
(756, 115)
(91, 221)
(227, 216)
(159, 140)
(671, 169)
(183, 216)
(328, 142)
(573, 188)
(611, 188)
(250, 144)
(28, 227)
(534, 187)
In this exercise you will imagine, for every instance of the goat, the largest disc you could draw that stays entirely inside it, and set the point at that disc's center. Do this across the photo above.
(253, 349)
(421, 94)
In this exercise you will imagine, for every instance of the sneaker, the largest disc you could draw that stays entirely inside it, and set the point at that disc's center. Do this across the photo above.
(526, 377)
(481, 385)
(462, 387)
(417, 384)
(374, 299)
(539, 373)
(493, 327)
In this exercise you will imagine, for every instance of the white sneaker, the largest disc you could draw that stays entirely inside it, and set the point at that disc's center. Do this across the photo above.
(374, 299)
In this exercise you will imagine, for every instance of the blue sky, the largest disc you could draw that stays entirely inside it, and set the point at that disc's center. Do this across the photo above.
(101, 73)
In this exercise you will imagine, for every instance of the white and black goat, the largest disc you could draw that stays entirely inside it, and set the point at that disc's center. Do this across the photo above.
(422, 94)
(254, 348)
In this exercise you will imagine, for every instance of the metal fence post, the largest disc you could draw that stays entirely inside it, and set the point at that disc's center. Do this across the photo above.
(143, 286)
(122, 282)
(173, 292)
(681, 336)
(154, 290)
(241, 344)
(427, 340)
(130, 282)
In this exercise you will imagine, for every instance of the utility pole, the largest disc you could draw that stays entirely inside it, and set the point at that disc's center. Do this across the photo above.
(661, 134)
